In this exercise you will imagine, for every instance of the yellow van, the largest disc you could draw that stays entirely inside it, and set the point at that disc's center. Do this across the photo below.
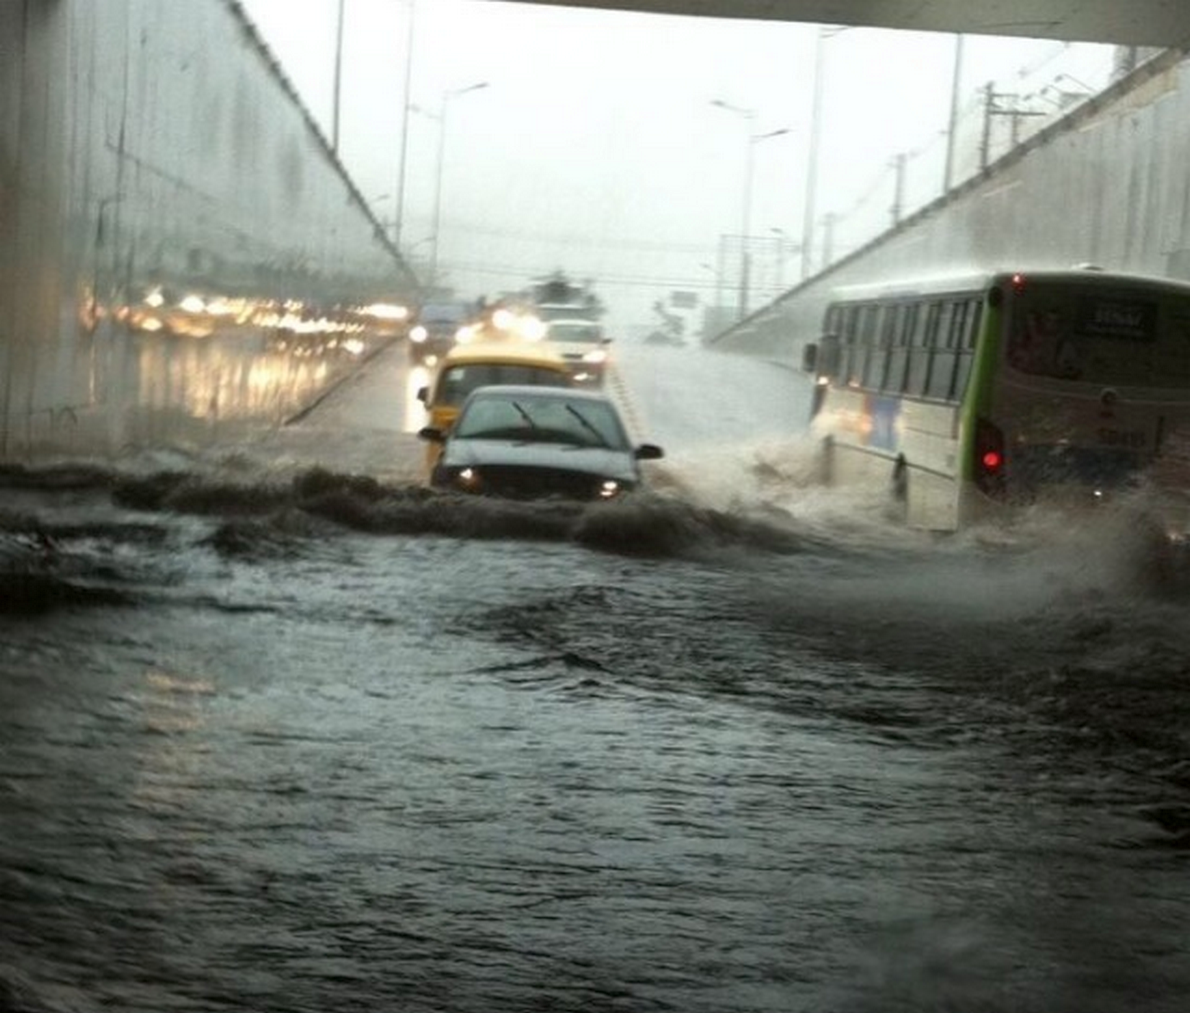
(482, 364)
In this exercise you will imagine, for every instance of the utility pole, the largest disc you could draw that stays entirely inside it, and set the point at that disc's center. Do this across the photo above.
(403, 158)
(898, 204)
(808, 209)
(953, 123)
(338, 80)
(991, 108)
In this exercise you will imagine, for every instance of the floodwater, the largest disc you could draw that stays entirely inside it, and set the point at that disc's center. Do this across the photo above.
(279, 731)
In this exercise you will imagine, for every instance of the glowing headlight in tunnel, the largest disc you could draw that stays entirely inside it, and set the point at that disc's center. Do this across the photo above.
(609, 489)
(386, 311)
(533, 328)
(468, 479)
(418, 334)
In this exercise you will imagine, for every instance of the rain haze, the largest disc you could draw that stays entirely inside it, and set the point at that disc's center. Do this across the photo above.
(594, 146)
(349, 666)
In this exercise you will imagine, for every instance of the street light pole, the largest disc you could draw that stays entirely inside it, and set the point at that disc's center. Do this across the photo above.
(952, 122)
(437, 220)
(338, 80)
(402, 159)
(746, 259)
(825, 32)
(746, 214)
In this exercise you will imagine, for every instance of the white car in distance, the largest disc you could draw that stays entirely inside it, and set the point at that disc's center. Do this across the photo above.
(582, 343)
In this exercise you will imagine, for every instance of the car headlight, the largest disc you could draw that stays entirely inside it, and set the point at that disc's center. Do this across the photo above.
(598, 355)
(418, 334)
(533, 329)
(467, 479)
(610, 489)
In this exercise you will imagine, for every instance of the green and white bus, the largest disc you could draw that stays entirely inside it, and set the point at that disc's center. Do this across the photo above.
(964, 394)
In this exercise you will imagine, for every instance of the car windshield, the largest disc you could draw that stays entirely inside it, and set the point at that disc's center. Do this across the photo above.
(530, 418)
(443, 313)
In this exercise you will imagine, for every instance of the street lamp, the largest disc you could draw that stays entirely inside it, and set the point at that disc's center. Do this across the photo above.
(403, 156)
(336, 102)
(825, 32)
(748, 115)
(447, 97)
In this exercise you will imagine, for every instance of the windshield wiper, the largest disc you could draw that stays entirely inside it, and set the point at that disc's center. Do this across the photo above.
(525, 415)
(587, 425)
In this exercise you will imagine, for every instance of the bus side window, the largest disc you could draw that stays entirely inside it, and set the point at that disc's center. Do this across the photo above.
(967, 350)
(921, 350)
(849, 351)
(947, 340)
(873, 357)
(889, 323)
(898, 355)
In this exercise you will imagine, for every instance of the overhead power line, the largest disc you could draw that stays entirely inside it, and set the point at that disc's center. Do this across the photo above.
(602, 278)
(585, 240)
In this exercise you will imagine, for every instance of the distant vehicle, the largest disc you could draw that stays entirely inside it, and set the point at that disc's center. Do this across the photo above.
(963, 396)
(532, 442)
(505, 321)
(439, 326)
(581, 342)
(482, 364)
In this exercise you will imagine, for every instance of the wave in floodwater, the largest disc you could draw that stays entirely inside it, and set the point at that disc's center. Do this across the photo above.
(80, 532)
(1044, 637)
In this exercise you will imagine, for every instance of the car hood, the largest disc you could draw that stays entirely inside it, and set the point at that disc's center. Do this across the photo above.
(617, 464)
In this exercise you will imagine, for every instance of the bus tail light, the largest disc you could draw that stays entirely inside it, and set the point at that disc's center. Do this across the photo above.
(989, 458)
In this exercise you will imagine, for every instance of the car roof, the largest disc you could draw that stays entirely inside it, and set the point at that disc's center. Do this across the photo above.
(513, 352)
(537, 390)
(584, 321)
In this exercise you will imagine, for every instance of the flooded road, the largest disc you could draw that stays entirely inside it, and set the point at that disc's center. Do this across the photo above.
(279, 731)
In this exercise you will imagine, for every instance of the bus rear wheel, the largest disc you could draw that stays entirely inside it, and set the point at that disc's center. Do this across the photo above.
(899, 490)
(826, 464)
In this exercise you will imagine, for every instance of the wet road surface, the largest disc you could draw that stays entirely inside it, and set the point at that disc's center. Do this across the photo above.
(281, 731)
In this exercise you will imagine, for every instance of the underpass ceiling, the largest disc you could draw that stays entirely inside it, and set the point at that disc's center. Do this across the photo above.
(1126, 22)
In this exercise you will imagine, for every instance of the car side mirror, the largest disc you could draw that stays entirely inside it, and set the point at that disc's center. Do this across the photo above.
(649, 452)
(423, 395)
(431, 433)
(810, 357)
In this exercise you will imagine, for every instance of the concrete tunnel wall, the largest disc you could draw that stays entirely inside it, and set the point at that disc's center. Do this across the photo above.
(1108, 184)
(152, 150)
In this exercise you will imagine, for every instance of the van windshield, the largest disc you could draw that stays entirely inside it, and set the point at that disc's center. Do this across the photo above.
(1102, 336)
(575, 330)
(459, 381)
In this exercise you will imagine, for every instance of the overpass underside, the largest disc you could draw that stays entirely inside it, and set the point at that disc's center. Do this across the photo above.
(1123, 22)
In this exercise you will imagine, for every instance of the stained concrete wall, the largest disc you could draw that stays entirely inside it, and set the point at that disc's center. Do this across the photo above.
(174, 231)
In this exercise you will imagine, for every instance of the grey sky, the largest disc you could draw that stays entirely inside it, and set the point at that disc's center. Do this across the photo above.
(595, 147)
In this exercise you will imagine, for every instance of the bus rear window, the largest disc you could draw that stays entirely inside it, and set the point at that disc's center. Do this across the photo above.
(1108, 338)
